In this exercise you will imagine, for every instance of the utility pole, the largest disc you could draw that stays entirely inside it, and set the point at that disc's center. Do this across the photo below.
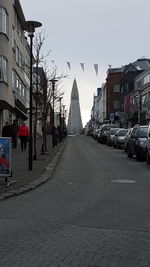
(30, 27)
(53, 81)
(140, 107)
(60, 121)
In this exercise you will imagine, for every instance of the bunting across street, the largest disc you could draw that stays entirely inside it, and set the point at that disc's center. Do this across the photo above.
(82, 66)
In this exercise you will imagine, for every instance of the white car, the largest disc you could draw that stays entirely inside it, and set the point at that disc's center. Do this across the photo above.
(148, 146)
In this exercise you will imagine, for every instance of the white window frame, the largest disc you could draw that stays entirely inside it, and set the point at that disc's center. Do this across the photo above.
(3, 20)
(116, 104)
(3, 69)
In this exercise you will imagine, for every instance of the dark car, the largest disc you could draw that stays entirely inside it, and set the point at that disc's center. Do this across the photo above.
(102, 137)
(137, 142)
(148, 146)
(119, 138)
(128, 134)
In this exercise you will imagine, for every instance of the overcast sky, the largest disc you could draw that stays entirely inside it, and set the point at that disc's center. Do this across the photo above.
(103, 32)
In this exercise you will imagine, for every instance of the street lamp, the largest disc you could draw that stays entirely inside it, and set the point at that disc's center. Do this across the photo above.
(140, 106)
(30, 26)
(60, 120)
(53, 81)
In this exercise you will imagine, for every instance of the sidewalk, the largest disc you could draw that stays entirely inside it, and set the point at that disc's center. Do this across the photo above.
(42, 168)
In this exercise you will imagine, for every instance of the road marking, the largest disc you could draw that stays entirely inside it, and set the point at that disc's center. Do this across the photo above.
(123, 181)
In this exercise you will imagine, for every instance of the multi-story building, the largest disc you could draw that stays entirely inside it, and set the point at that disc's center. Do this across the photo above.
(127, 88)
(14, 63)
(141, 97)
(112, 88)
(101, 101)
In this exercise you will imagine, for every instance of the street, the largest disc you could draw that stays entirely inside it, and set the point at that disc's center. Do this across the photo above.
(94, 211)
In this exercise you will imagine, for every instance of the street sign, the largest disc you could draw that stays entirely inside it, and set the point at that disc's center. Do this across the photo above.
(111, 116)
(5, 156)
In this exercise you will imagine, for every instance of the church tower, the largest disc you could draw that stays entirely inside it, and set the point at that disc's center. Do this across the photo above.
(74, 119)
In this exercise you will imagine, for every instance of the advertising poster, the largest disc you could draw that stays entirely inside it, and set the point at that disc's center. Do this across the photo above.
(5, 156)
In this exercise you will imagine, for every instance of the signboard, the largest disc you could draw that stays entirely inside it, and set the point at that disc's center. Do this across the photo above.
(5, 156)
(111, 116)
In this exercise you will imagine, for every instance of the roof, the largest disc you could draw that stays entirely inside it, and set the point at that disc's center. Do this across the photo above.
(74, 93)
(142, 64)
(116, 70)
(19, 11)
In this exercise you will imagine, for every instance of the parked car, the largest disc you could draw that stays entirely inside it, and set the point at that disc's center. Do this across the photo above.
(119, 138)
(102, 136)
(128, 134)
(148, 146)
(96, 133)
(137, 142)
(111, 135)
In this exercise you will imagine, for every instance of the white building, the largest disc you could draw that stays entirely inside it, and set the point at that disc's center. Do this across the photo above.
(74, 119)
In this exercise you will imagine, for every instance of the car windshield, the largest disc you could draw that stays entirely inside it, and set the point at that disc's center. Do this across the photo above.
(143, 132)
(122, 132)
(108, 127)
(113, 131)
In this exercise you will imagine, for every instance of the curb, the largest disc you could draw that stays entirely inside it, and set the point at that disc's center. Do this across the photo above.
(43, 178)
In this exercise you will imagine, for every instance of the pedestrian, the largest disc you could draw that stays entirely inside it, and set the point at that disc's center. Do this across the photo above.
(23, 133)
(6, 130)
(14, 131)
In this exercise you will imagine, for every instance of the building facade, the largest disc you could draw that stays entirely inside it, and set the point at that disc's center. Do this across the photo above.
(14, 63)
(112, 88)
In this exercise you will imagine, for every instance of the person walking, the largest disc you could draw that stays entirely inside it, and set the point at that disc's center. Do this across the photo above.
(14, 129)
(6, 130)
(23, 133)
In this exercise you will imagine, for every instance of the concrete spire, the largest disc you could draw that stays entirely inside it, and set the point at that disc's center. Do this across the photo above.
(74, 119)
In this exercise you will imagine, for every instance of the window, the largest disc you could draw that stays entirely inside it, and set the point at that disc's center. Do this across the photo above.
(116, 104)
(13, 80)
(116, 88)
(3, 69)
(147, 79)
(3, 20)
(139, 84)
(17, 54)
(20, 59)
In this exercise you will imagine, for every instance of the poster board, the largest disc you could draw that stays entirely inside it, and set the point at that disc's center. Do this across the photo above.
(5, 156)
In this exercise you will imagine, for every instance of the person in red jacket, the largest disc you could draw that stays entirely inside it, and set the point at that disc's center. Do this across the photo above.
(23, 133)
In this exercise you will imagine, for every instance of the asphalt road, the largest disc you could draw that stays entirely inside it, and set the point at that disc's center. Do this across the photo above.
(94, 211)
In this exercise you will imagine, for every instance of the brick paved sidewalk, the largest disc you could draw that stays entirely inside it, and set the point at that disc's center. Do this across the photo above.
(20, 165)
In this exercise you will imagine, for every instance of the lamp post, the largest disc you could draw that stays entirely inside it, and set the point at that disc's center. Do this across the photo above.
(30, 26)
(53, 81)
(63, 126)
(60, 120)
(140, 106)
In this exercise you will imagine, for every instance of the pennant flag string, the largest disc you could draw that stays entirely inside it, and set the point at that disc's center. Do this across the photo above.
(96, 69)
(82, 66)
(68, 64)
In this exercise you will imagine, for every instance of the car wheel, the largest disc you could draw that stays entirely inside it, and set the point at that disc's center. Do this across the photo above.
(129, 154)
(137, 156)
(147, 158)
(114, 145)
